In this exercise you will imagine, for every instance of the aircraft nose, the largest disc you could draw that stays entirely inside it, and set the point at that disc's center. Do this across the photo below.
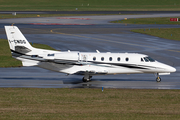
(171, 69)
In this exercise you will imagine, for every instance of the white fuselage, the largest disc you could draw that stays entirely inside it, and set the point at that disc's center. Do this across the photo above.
(98, 63)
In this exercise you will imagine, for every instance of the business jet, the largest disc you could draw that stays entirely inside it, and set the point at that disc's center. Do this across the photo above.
(87, 64)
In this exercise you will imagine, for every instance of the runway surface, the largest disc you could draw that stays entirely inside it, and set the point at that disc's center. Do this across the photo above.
(101, 35)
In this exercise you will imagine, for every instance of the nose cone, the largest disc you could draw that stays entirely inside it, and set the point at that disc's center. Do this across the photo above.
(171, 69)
(166, 68)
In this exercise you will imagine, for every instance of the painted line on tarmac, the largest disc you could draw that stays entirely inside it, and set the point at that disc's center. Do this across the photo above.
(173, 51)
(111, 41)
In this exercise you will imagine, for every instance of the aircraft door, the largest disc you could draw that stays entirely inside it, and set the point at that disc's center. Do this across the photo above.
(84, 58)
(78, 57)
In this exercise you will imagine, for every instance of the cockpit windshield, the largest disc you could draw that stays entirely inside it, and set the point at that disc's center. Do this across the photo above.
(149, 59)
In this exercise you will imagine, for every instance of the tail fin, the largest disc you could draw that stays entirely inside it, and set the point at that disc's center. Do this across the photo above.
(17, 41)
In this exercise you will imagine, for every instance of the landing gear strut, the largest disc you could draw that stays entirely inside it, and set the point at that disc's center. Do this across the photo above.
(158, 79)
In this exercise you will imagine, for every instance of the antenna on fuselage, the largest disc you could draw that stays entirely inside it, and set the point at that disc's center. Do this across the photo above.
(97, 51)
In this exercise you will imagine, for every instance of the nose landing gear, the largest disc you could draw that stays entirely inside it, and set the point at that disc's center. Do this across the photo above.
(158, 79)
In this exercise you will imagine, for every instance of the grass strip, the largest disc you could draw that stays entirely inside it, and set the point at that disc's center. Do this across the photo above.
(167, 33)
(6, 59)
(158, 20)
(92, 104)
(89, 5)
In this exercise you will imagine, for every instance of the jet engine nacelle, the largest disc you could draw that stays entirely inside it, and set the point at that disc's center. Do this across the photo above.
(66, 57)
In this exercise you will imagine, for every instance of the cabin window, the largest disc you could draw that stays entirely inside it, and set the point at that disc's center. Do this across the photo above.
(127, 59)
(102, 58)
(118, 59)
(50, 55)
(94, 58)
(142, 60)
(110, 58)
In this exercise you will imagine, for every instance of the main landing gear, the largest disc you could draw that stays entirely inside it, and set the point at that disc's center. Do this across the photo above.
(158, 79)
(86, 79)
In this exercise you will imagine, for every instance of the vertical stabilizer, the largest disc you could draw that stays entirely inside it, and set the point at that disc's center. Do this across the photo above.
(17, 41)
